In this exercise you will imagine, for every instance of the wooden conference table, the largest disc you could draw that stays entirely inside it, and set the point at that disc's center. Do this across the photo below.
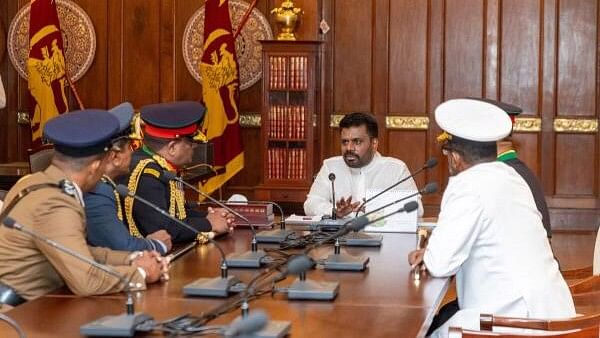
(382, 301)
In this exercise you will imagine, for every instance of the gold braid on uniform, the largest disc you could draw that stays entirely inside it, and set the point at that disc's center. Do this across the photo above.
(110, 182)
(176, 195)
(132, 186)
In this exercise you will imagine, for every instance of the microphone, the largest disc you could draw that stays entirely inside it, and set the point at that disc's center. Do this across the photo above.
(432, 162)
(296, 265)
(242, 326)
(214, 287)
(333, 209)
(122, 325)
(345, 262)
(248, 259)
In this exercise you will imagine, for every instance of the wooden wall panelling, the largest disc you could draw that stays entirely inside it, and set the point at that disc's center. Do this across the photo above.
(114, 46)
(141, 48)
(408, 80)
(576, 96)
(492, 50)
(519, 71)
(575, 173)
(93, 86)
(548, 93)
(435, 90)
(353, 57)
(463, 62)
(408, 57)
(380, 45)
(167, 42)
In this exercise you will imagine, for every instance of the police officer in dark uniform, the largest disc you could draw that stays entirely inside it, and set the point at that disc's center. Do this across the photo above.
(103, 207)
(170, 136)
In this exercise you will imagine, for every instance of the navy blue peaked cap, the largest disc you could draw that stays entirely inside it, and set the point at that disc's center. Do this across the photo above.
(173, 119)
(82, 133)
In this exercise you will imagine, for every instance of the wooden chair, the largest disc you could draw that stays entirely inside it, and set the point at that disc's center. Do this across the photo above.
(577, 273)
(486, 322)
(585, 285)
(588, 332)
(40, 158)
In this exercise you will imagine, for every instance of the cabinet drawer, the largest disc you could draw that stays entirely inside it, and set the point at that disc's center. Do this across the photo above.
(288, 195)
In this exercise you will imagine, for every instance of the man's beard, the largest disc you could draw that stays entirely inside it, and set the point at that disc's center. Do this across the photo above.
(352, 160)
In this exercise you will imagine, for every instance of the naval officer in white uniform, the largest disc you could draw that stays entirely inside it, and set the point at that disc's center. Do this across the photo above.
(361, 167)
(489, 232)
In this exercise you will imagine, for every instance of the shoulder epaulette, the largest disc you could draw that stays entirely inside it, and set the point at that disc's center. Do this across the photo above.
(152, 172)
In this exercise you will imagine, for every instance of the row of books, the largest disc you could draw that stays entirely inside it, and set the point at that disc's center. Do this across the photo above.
(286, 163)
(288, 72)
(287, 122)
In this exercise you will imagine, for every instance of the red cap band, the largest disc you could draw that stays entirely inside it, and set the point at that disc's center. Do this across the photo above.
(169, 133)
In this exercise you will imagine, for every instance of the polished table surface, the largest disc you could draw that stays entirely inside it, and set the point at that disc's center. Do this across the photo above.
(382, 301)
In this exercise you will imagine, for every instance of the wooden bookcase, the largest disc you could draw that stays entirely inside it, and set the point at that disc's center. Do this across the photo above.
(291, 107)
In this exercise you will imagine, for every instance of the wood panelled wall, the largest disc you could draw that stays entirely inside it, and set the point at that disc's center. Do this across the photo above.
(389, 57)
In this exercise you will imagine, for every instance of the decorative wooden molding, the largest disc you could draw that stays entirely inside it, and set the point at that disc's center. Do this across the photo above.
(391, 122)
(528, 124)
(334, 120)
(583, 126)
(250, 120)
(407, 122)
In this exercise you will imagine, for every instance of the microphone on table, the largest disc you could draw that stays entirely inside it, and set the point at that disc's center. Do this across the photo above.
(333, 209)
(432, 162)
(249, 259)
(303, 288)
(120, 325)
(214, 287)
(244, 326)
(296, 265)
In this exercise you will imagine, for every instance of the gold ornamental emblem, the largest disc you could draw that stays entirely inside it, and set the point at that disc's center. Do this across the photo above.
(79, 39)
(247, 45)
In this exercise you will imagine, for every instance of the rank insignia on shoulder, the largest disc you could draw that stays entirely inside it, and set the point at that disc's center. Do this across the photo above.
(152, 172)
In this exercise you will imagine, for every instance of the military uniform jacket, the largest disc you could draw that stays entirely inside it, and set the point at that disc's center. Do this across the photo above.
(151, 188)
(34, 268)
(105, 229)
(536, 190)
(490, 234)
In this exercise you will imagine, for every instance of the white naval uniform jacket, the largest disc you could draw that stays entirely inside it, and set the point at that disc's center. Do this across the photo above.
(381, 173)
(490, 234)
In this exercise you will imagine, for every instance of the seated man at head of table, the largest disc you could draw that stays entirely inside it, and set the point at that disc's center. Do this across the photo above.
(170, 136)
(50, 203)
(360, 167)
(489, 231)
(103, 208)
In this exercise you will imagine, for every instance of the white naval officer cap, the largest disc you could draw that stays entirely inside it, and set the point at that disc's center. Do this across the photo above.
(472, 120)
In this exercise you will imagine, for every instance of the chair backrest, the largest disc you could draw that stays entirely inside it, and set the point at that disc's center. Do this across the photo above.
(486, 322)
(588, 332)
(40, 158)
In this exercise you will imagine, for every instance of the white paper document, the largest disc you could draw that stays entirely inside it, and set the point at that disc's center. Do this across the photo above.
(397, 222)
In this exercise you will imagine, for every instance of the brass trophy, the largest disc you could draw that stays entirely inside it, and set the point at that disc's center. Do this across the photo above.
(287, 18)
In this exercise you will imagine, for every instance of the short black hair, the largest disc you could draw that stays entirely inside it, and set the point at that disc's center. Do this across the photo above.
(473, 152)
(358, 119)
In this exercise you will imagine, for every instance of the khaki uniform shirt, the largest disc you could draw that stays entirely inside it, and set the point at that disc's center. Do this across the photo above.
(33, 267)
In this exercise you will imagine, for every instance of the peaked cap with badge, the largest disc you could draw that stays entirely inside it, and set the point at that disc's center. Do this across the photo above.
(167, 121)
